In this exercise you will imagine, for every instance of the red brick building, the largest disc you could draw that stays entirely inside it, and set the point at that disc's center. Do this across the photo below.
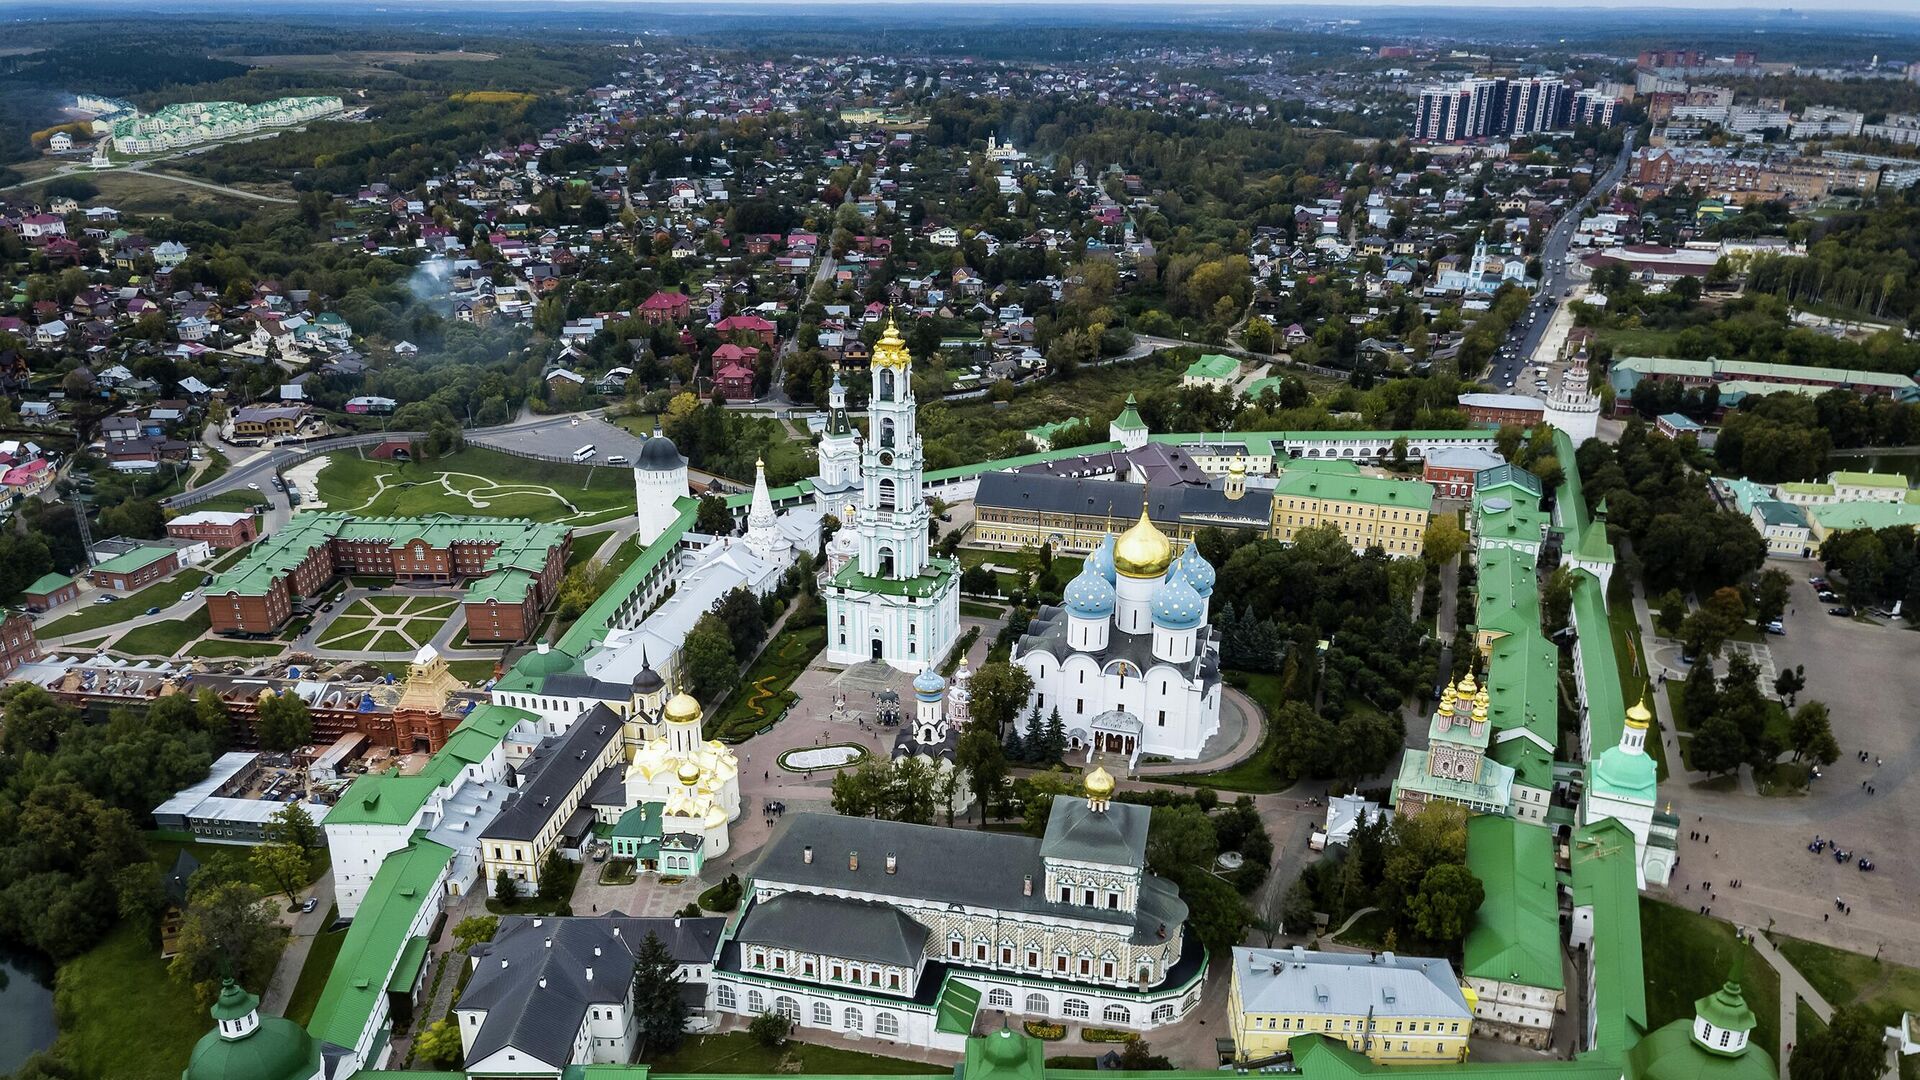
(512, 568)
(664, 307)
(50, 592)
(1500, 409)
(135, 569)
(1451, 469)
(17, 644)
(223, 529)
(746, 324)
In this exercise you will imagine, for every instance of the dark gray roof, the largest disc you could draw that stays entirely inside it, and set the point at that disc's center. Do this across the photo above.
(1118, 501)
(573, 684)
(944, 866)
(834, 926)
(1116, 836)
(1048, 633)
(551, 771)
(542, 1020)
(658, 453)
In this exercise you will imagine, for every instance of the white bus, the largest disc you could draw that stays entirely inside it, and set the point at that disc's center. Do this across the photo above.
(583, 453)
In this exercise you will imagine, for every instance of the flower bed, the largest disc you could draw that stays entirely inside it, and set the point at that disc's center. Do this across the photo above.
(816, 758)
(1040, 1029)
(1106, 1035)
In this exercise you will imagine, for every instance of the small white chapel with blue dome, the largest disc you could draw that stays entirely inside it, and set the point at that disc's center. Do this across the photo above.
(1128, 657)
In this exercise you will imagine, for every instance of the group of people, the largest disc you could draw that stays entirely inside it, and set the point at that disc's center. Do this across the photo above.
(1840, 854)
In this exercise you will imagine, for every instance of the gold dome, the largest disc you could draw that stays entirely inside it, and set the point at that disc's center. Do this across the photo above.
(1142, 551)
(891, 349)
(1099, 782)
(1238, 467)
(689, 772)
(1639, 716)
(682, 709)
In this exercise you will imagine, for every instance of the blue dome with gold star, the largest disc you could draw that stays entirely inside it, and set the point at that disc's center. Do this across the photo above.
(1090, 595)
(1101, 561)
(1198, 571)
(1175, 606)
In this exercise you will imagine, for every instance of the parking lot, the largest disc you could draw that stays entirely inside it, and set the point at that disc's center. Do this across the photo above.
(1865, 672)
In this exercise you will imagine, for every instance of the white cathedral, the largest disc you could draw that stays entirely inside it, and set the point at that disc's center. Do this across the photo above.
(1128, 658)
(887, 598)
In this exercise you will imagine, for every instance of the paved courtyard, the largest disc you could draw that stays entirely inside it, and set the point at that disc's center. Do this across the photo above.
(1867, 676)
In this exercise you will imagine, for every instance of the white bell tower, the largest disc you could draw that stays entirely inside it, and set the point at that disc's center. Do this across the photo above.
(893, 515)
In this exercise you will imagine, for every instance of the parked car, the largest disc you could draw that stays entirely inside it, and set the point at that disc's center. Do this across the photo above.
(188, 595)
(312, 902)
(1776, 627)
(1845, 612)
(153, 611)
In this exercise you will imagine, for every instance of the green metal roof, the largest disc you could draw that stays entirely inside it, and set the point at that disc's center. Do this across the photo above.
(1129, 418)
(1372, 490)
(592, 624)
(129, 561)
(1865, 514)
(523, 545)
(1606, 703)
(926, 584)
(47, 583)
(383, 799)
(412, 958)
(1213, 366)
(406, 882)
(954, 1012)
(1531, 765)
(1321, 1057)
(1606, 878)
(1516, 933)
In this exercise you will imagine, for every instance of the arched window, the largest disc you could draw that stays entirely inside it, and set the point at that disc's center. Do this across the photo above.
(1074, 1008)
(886, 385)
(1037, 1004)
(723, 996)
(1000, 998)
(822, 1014)
(886, 433)
(886, 1025)
(756, 1002)
(1116, 1014)
(851, 1019)
(788, 1008)
(1163, 1014)
(889, 499)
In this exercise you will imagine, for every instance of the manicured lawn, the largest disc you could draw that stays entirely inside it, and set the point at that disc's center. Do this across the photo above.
(979, 610)
(243, 501)
(313, 975)
(472, 672)
(737, 1052)
(160, 594)
(1254, 776)
(247, 649)
(1630, 658)
(164, 638)
(584, 548)
(386, 623)
(1844, 978)
(1687, 956)
(477, 481)
(1639, 341)
(763, 693)
(121, 1014)
(391, 641)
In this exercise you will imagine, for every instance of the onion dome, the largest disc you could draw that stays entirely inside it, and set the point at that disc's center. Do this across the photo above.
(658, 454)
(247, 1046)
(891, 349)
(1099, 782)
(1090, 595)
(1198, 571)
(1102, 559)
(1640, 716)
(1175, 606)
(682, 709)
(928, 685)
(689, 772)
(1142, 551)
(648, 681)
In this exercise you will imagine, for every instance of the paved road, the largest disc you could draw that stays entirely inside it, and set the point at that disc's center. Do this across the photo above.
(303, 928)
(1554, 278)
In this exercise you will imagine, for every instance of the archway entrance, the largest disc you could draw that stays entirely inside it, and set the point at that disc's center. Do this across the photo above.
(877, 650)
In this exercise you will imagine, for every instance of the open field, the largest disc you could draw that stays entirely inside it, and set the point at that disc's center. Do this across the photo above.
(1688, 956)
(359, 61)
(122, 1015)
(160, 594)
(479, 482)
(164, 638)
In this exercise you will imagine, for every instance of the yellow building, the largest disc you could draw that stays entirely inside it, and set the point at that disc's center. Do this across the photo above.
(1369, 510)
(549, 811)
(1394, 1009)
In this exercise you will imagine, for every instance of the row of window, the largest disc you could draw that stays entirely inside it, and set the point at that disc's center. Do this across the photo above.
(885, 1024)
(1400, 1027)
